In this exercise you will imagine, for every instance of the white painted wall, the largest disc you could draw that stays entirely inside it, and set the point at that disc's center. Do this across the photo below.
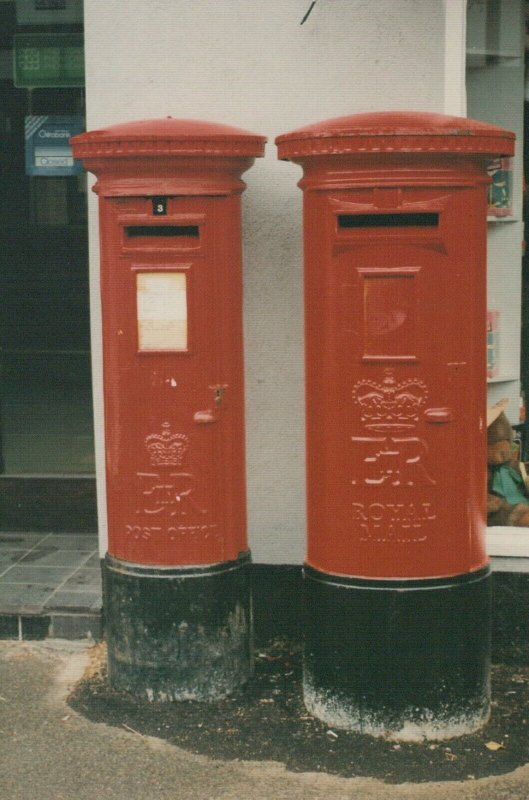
(251, 64)
(455, 98)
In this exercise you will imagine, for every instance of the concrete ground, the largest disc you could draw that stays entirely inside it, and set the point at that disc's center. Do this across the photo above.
(48, 752)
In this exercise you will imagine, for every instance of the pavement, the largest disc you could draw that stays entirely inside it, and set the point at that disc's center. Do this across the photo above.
(49, 752)
(50, 585)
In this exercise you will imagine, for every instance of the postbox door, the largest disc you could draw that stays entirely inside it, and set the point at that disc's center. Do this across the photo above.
(173, 382)
(397, 467)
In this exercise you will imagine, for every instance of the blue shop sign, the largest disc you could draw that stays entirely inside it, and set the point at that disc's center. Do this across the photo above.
(48, 150)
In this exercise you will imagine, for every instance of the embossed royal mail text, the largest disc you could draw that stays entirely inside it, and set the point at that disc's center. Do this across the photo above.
(389, 454)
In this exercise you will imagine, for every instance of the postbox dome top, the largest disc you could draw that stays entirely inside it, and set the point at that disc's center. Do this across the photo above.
(396, 131)
(168, 136)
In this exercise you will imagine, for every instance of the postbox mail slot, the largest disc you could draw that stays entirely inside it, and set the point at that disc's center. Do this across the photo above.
(161, 230)
(161, 237)
(405, 220)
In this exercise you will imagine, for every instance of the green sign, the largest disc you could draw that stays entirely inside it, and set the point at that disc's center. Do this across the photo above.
(48, 59)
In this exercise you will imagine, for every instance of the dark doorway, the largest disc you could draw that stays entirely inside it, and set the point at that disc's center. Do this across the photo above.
(47, 451)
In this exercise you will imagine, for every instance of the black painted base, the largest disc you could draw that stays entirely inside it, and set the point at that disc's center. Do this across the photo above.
(404, 659)
(178, 633)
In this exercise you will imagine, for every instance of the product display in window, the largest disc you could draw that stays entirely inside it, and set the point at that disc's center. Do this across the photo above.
(507, 490)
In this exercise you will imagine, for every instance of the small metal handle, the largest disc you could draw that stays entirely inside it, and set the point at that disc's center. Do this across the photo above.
(439, 416)
(208, 415)
(204, 417)
(218, 392)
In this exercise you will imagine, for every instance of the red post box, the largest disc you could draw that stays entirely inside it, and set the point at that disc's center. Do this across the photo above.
(176, 591)
(396, 574)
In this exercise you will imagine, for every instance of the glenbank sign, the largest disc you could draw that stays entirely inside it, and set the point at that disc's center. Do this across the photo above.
(47, 145)
(53, 134)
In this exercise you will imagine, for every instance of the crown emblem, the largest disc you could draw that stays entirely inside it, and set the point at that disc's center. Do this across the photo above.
(166, 449)
(390, 405)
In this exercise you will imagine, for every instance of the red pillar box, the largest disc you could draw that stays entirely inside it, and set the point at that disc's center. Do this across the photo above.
(396, 573)
(176, 590)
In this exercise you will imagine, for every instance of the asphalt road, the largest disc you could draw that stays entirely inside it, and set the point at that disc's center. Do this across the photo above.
(49, 752)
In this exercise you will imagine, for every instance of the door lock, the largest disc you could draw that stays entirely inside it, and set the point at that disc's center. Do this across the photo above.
(218, 393)
(210, 415)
